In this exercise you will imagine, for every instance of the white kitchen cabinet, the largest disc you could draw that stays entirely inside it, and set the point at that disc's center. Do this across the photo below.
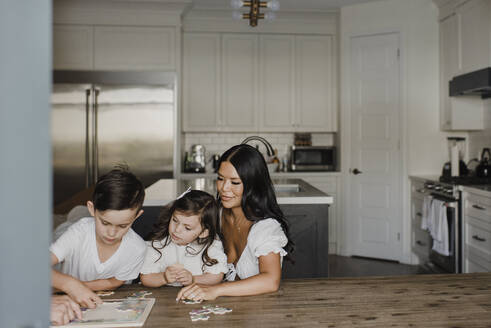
(201, 82)
(474, 18)
(314, 76)
(131, 47)
(270, 82)
(239, 82)
(462, 112)
(476, 232)
(73, 47)
(297, 80)
(93, 47)
(276, 92)
(331, 186)
(420, 239)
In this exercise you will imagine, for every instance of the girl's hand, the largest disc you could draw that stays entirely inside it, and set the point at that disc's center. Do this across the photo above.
(184, 277)
(170, 275)
(198, 292)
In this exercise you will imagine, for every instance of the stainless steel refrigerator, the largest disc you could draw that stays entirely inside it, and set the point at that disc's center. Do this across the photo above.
(101, 119)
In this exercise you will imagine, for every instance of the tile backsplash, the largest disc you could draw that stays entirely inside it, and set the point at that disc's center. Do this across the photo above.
(217, 143)
(481, 139)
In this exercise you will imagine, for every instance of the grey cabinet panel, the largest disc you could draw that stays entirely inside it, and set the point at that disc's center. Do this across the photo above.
(308, 226)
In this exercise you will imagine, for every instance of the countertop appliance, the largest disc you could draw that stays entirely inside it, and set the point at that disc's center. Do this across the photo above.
(195, 161)
(473, 83)
(456, 165)
(100, 119)
(483, 170)
(313, 158)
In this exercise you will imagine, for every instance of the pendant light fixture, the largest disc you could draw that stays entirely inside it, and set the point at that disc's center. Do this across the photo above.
(254, 13)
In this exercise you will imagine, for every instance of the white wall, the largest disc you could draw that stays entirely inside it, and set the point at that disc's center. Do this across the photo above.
(423, 145)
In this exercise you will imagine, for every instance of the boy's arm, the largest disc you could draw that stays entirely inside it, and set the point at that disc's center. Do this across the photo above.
(104, 284)
(73, 287)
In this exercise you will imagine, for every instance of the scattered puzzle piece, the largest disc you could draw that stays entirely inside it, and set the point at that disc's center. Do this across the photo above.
(140, 294)
(200, 314)
(104, 292)
(200, 317)
(186, 301)
(221, 310)
(200, 311)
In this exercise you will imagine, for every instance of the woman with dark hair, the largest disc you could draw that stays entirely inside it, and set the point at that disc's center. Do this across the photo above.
(253, 227)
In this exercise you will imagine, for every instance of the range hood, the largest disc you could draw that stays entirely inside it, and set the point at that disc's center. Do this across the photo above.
(473, 83)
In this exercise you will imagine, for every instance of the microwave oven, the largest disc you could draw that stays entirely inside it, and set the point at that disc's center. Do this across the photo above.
(312, 158)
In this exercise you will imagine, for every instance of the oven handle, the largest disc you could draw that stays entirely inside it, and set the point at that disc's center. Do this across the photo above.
(449, 202)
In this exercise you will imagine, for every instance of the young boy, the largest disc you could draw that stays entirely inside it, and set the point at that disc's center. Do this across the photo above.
(102, 252)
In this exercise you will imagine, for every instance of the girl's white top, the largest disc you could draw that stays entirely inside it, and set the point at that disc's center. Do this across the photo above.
(189, 256)
(265, 236)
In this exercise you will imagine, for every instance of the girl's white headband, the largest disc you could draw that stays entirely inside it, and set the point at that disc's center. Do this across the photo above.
(184, 193)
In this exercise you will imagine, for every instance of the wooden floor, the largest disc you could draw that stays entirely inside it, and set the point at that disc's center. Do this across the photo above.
(343, 266)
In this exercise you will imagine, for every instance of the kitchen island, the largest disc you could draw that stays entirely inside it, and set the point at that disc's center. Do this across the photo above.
(305, 208)
(462, 300)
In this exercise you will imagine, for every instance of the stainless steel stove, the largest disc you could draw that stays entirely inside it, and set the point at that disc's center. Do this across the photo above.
(451, 194)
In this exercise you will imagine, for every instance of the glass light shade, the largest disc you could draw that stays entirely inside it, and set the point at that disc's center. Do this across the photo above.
(236, 4)
(274, 5)
(269, 15)
(236, 15)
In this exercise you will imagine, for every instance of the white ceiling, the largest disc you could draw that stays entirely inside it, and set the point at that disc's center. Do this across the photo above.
(287, 5)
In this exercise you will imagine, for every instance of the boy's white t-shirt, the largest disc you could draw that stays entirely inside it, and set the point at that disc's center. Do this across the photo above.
(189, 256)
(76, 250)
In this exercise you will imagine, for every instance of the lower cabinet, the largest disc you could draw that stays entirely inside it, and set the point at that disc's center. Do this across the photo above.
(420, 239)
(331, 186)
(476, 233)
(309, 228)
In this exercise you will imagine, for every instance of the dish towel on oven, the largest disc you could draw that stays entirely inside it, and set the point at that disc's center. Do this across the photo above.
(427, 213)
(439, 230)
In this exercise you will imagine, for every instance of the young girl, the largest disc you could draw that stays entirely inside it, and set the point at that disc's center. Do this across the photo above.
(185, 248)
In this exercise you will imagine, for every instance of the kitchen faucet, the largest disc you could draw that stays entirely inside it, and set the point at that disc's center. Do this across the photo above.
(269, 148)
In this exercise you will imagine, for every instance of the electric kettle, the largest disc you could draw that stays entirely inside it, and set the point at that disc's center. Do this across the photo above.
(483, 170)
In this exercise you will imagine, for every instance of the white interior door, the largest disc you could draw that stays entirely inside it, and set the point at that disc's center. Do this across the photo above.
(375, 158)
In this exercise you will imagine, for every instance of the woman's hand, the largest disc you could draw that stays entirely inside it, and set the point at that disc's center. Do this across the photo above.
(64, 310)
(198, 292)
(184, 277)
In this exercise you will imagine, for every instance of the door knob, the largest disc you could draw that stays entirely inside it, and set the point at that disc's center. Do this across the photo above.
(356, 171)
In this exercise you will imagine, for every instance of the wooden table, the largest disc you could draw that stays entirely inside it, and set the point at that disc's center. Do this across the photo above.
(399, 301)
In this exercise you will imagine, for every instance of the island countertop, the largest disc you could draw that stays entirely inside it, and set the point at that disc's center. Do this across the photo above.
(166, 190)
(445, 300)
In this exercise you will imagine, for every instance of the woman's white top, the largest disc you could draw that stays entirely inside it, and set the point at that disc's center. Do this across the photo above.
(189, 256)
(265, 237)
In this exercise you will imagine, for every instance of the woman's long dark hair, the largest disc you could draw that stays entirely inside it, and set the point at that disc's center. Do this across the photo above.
(258, 199)
(194, 202)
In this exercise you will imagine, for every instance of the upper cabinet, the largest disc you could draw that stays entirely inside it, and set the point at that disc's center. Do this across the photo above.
(267, 82)
(130, 47)
(114, 47)
(314, 76)
(474, 20)
(201, 82)
(73, 47)
(465, 42)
